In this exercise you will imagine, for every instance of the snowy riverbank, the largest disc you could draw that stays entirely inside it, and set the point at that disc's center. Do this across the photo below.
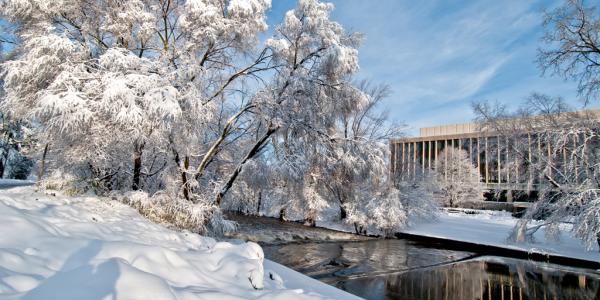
(58, 247)
(490, 228)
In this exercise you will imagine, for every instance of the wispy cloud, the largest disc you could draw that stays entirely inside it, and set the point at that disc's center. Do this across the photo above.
(440, 55)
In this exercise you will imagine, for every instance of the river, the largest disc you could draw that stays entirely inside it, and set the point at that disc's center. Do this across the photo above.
(403, 269)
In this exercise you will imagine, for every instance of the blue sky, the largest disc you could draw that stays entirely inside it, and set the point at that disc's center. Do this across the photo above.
(440, 55)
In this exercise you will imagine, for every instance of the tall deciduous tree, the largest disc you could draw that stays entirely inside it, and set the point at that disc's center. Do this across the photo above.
(571, 45)
(558, 150)
(180, 97)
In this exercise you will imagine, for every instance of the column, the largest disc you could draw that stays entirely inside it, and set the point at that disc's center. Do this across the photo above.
(446, 159)
(423, 157)
(414, 160)
(408, 163)
(530, 159)
(429, 156)
(435, 152)
(487, 169)
(403, 166)
(478, 156)
(499, 167)
(459, 149)
(506, 161)
(471, 152)
(394, 161)
(539, 160)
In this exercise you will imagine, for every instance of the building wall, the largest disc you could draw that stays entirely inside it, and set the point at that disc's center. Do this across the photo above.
(411, 157)
(491, 152)
(454, 129)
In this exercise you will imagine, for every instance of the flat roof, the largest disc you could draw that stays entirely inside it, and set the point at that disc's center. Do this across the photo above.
(465, 130)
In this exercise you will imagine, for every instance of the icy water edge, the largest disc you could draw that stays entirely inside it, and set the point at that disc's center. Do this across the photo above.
(404, 269)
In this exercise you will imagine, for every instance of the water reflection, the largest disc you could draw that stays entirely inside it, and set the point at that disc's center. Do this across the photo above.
(478, 279)
(399, 269)
(331, 261)
(402, 269)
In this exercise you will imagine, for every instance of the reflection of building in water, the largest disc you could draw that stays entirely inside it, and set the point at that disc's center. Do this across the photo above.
(489, 151)
(480, 279)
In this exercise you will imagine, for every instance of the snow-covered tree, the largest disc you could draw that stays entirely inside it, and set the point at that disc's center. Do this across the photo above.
(314, 60)
(181, 97)
(15, 144)
(560, 150)
(419, 197)
(15, 136)
(458, 179)
(388, 209)
(572, 50)
(554, 148)
(392, 209)
(342, 165)
(571, 45)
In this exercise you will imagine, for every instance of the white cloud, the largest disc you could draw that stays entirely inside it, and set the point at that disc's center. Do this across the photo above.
(439, 56)
(440, 53)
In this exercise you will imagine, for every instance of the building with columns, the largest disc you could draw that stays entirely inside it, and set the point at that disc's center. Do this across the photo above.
(487, 150)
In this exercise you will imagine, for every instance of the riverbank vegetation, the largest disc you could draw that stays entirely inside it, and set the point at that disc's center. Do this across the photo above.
(185, 108)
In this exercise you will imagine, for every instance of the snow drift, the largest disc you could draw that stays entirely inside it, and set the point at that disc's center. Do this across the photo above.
(56, 247)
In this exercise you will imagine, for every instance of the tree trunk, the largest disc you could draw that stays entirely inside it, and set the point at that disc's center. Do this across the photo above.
(282, 214)
(214, 149)
(186, 165)
(43, 164)
(343, 213)
(137, 166)
(254, 151)
(184, 181)
(259, 203)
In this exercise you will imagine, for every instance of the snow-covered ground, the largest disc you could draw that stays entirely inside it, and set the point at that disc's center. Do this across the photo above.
(272, 231)
(493, 228)
(6, 183)
(58, 247)
(490, 228)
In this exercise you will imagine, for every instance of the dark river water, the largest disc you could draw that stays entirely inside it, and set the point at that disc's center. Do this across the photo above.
(403, 269)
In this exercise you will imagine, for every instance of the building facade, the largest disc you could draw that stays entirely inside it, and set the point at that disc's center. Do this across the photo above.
(490, 152)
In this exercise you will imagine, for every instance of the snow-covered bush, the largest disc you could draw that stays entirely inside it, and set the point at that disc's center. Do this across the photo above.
(314, 202)
(162, 208)
(386, 212)
(458, 179)
(65, 182)
(395, 208)
(419, 197)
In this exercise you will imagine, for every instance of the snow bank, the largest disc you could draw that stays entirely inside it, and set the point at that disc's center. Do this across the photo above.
(6, 183)
(56, 247)
(272, 231)
(493, 228)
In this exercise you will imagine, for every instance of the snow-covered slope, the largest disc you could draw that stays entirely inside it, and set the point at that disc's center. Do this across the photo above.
(57, 247)
(493, 228)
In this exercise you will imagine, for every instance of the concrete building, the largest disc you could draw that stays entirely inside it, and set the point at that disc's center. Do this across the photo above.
(412, 156)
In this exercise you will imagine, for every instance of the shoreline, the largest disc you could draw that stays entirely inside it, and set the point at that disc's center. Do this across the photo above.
(483, 249)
